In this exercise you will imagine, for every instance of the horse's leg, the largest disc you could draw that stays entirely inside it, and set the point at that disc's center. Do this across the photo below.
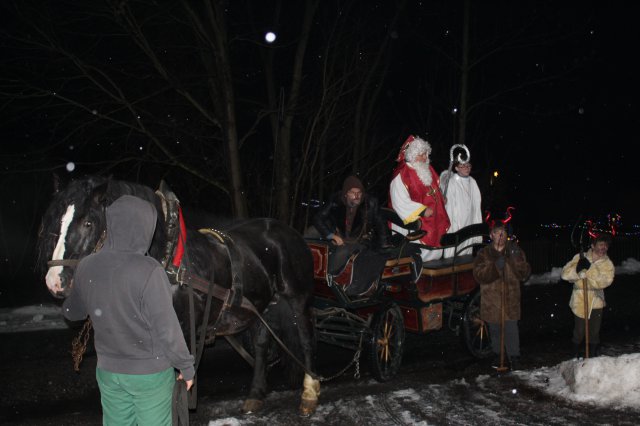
(305, 327)
(258, 389)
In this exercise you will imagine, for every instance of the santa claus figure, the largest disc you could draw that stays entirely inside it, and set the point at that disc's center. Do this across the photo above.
(415, 194)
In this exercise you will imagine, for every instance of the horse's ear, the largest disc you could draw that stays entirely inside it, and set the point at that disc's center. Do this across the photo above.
(57, 183)
(99, 195)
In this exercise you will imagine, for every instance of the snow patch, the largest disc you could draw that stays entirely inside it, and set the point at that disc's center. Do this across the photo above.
(229, 421)
(603, 381)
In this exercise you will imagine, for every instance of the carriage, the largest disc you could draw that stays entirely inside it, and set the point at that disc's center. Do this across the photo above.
(409, 297)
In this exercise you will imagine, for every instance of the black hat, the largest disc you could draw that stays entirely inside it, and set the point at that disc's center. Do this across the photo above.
(352, 182)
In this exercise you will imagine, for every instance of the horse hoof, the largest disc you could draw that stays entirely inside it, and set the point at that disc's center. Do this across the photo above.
(251, 406)
(308, 407)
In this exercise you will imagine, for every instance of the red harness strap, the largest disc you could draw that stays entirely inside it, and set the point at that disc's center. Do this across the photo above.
(182, 240)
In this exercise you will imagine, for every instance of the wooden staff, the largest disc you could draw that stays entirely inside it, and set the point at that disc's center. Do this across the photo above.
(586, 318)
(503, 307)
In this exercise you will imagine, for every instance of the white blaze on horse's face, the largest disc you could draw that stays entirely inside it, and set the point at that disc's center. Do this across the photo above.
(54, 283)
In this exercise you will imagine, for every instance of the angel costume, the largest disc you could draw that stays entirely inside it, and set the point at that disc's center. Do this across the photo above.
(463, 207)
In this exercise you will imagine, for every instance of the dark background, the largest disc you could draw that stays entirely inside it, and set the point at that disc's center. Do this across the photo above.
(552, 106)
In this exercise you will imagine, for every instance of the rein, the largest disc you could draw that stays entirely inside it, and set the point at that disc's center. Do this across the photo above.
(79, 343)
(72, 263)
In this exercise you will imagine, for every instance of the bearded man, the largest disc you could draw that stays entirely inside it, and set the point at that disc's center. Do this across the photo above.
(415, 194)
(351, 221)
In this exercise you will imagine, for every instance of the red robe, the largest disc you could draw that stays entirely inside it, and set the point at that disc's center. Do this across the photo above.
(429, 196)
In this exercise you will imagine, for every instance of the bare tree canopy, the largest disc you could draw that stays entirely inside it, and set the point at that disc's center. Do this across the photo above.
(191, 92)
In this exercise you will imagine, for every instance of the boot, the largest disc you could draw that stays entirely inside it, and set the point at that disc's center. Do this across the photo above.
(514, 363)
(594, 350)
(495, 361)
(576, 347)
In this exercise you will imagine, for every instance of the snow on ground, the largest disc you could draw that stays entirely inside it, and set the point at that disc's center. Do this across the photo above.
(604, 381)
(31, 318)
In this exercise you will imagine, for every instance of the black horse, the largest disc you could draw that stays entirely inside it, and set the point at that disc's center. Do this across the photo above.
(255, 266)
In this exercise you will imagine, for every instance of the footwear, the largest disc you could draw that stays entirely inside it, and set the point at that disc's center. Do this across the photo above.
(576, 350)
(514, 363)
(495, 361)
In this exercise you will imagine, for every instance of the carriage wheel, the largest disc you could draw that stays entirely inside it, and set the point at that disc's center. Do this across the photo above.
(475, 332)
(386, 343)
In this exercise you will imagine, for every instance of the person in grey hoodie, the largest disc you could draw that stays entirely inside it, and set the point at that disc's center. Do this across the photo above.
(138, 338)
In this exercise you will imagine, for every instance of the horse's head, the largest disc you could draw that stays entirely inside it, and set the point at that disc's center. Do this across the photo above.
(71, 229)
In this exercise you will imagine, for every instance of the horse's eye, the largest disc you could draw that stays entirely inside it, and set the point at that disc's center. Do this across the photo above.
(88, 223)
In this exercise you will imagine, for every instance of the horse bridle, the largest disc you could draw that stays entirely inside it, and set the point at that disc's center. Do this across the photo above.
(72, 263)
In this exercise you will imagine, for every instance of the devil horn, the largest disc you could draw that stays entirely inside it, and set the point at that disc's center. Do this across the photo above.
(509, 215)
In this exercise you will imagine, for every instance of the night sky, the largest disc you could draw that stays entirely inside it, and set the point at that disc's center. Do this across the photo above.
(552, 100)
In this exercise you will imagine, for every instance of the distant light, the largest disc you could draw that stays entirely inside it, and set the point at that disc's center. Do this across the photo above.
(514, 391)
(270, 37)
(71, 166)
(495, 173)
(454, 110)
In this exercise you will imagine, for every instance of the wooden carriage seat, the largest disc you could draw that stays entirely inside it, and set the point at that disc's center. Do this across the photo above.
(320, 253)
(441, 278)
(450, 276)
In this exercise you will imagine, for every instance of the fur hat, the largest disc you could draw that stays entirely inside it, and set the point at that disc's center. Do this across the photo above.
(351, 182)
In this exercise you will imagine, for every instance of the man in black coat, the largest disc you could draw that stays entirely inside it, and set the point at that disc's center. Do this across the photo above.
(352, 222)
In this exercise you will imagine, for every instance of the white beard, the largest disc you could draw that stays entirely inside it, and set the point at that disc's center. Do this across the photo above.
(423, 172)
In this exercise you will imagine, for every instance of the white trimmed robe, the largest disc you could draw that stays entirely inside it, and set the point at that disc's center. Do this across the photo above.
(463, 207)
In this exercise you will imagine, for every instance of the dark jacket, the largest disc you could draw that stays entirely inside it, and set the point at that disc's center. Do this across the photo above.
(128, 297)
(368, 226)
(516, 269)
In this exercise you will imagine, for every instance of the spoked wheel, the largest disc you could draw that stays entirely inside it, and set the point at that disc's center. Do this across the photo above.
(475, 332)
(386, 343)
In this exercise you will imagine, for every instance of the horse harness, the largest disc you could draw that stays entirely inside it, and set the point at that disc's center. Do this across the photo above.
(176, 263)
(180, 274)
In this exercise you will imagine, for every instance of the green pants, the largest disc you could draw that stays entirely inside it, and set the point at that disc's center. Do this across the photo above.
(136, 399)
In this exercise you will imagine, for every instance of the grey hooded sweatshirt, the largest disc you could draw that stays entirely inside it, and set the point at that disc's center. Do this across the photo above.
(128, 297)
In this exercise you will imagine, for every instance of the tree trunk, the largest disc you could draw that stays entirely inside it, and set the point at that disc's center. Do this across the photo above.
(464, 76)
(282, 155)
(238, 198)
